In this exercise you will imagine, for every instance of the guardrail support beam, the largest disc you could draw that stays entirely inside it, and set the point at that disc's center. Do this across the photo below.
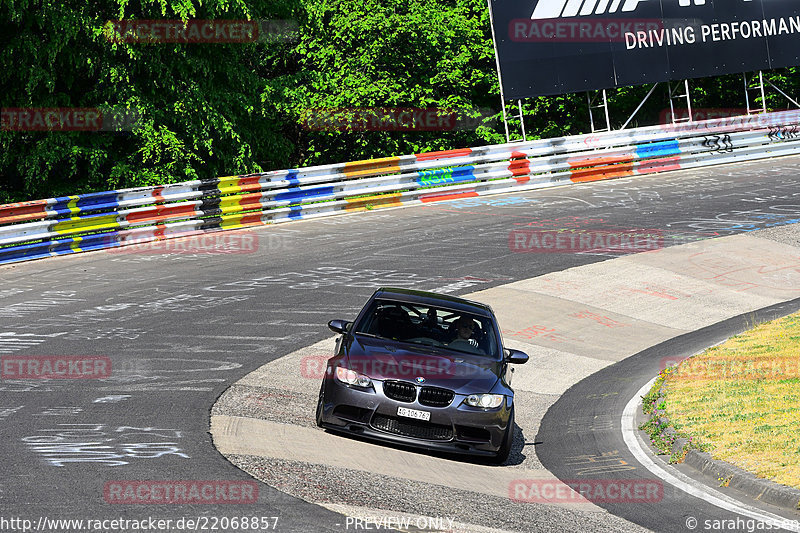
(591, 100)
(674, 95)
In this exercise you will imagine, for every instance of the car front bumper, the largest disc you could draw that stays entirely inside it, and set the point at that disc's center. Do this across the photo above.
(456, 428)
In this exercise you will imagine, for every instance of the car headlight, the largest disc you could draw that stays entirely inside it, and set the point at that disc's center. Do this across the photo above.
(351, 377)
(486, 401)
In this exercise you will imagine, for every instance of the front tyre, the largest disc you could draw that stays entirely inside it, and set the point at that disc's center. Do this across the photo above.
(508, 440)
(320, 405)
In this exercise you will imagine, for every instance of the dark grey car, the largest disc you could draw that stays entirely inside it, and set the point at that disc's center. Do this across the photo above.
(425, 370)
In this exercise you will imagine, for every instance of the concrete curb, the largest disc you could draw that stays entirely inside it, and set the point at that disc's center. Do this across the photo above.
(759, 489)
(718, 471)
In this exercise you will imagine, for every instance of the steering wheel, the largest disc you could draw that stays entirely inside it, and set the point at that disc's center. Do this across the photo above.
(463, 343)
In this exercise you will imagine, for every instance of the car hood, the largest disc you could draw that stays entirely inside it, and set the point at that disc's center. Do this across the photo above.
(384, 359)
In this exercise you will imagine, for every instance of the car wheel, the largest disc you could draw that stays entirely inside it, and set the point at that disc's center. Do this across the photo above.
(319, 405)
(508, 440)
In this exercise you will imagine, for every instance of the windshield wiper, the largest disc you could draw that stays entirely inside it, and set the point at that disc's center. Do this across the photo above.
(370, 335)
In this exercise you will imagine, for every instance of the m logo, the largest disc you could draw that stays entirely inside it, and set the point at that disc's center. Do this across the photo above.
(551, 9)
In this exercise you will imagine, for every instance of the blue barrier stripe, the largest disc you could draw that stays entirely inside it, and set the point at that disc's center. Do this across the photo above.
(300, 194)
(90, 242)
(292, 178)
(295, 212)
(102, 240)
(446, 175)
(658, 149)
(98, 200)
(25, 251)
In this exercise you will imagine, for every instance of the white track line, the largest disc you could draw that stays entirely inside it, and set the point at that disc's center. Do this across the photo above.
(683, 482)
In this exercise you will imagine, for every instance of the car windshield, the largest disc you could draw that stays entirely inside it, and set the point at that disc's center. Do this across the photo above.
(430, 326)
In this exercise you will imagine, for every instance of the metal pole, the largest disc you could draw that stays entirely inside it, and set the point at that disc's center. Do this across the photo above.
(640, 106)
(499, 74)
(746, 93)
(792, 100)
(671, 104)
(688, 99)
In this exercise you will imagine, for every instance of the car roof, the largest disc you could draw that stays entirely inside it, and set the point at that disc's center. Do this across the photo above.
(433, 299)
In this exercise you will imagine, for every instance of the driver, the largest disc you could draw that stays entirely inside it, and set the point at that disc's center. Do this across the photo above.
(464, 328)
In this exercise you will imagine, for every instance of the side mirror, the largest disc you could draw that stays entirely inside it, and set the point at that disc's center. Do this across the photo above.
(515, 357)
(338, 326)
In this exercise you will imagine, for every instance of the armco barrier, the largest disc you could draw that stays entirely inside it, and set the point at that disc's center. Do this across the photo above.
(94, 221)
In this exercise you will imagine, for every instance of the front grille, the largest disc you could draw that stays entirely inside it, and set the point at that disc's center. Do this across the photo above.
(412, 428)
(435, 397)
(400, 391)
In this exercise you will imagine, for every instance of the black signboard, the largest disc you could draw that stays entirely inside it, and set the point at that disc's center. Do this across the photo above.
(549, 47)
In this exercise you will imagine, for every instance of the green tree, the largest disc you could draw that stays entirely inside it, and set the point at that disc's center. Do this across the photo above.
(199, 106)
(377, 54)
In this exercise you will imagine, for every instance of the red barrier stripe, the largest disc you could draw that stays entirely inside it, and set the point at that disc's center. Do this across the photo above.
(157, 195)
(161, 213)
(23, 211)
(452, 196)
(445, 154)
(248, 183)
(659, 165)
(598, 161)
(251, 220)
(244, 201)
(520, 167)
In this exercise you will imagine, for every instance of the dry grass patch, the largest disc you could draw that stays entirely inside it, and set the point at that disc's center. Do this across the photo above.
(741, 400)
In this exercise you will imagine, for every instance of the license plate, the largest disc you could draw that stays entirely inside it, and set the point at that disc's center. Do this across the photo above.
(413, 413)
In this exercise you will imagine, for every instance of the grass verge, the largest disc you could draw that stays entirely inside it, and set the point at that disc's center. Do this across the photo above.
(740, 400)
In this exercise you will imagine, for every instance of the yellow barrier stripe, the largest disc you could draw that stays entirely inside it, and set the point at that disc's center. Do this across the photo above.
(72, 205)
(76, 225)
(230, 188)
(372, 167)
(241, 220)
(75, 245)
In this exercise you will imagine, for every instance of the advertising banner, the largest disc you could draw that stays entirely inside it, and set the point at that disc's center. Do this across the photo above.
(547, 47)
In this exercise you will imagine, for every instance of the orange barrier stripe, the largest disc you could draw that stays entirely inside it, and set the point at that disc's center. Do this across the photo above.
(598, 161)
(601, 168)
(360, 204)
(601, 173)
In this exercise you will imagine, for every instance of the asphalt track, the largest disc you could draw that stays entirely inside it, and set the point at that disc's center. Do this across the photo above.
(181, 328)
(671, 510)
